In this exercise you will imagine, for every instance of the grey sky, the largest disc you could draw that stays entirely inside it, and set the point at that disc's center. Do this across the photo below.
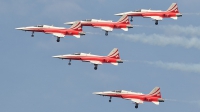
(32, 81)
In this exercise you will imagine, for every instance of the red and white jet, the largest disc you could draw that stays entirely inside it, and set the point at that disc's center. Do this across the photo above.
(113, 58)
(59, 32)
(156, 15)
(107, 25)
(138, 98)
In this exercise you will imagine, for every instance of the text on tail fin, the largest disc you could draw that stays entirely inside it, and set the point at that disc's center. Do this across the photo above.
(173, 8)
(114, 53)
(77, 26)
(124, 19)
(155, 92)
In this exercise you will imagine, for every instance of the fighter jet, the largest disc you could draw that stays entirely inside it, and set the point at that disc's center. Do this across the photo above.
(138, 98)
(59, 32)
(156, 15)
(107, 25)
(113, 58)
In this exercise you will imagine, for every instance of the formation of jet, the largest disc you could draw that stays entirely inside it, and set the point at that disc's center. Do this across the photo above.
(59, 32)
(113, 58)
(107, 25)
(156, 15)
(138, 98)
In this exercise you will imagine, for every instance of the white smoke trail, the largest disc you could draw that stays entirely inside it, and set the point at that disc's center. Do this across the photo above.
(181, 30)
(184, 101)
(162, 40)
(177, 66)
(191, 14)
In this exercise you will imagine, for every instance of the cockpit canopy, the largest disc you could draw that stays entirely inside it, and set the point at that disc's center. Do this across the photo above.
(138, 10)
(147, 10)
(43, 26)
(97, 20)
(87, 20)
(39, 25)
(124, 91)
(77, 53)
(117, 91)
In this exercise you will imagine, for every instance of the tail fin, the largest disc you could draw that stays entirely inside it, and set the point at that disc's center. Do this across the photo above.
(77, 26)
(124, 19)
(114, 54)
(156, 92)
(173, 8)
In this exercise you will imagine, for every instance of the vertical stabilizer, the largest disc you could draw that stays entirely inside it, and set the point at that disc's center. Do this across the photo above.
(124, 19)
(77, 26)
(114, 53)
(155, 92)
(173, 8)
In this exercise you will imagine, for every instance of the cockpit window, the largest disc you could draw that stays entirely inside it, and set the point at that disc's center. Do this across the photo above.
(77, 53)
(117, 91)
(138, 10)
(39, 26)
(88, 20)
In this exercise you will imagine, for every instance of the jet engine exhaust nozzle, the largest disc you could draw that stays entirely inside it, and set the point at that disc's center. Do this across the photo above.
(161, 100)
(119, 61)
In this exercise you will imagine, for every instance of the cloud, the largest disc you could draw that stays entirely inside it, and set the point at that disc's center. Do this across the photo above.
(177, 66)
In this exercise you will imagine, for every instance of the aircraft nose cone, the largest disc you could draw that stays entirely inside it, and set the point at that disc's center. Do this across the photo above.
(69, 23)
(97, 93)
(59, 56)
(119, 14)
(20, 28)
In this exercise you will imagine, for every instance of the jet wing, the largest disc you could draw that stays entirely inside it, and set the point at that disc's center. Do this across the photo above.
(96, 62)
(137, 101)
(155, 17)
(58, 34)
(107, 28)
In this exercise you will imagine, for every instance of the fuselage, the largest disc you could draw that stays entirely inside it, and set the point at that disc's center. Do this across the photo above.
(104, 23)
(51, 29)
(131, 95)
(89, 57)
(163, 14)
